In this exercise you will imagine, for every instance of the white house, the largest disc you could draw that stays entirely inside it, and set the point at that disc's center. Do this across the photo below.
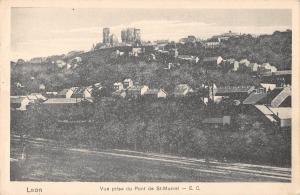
(137, 91)
(118, 86)
(182, 90)
(268, 86)
(87, 93)
(67, 93)
(212, 62)
(19, 102)
(253, 67)
(236, 66)
(136, 51)
(245, 62)
(61, 63)
(156, 93)
(127, 83)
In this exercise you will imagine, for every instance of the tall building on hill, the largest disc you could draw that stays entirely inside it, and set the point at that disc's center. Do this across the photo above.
(113, 39)
(131, 35)
(137, 34)
(124, 35)
(106, 37)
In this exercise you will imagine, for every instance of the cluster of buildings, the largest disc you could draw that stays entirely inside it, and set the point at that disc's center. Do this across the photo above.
(245, 65)
(216, 41)
(128, 36)
(273, 105)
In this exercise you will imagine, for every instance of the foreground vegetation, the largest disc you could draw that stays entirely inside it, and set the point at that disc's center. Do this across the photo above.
(167, 126)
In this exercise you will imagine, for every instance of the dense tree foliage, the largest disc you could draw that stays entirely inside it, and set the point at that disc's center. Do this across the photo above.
(166, 126)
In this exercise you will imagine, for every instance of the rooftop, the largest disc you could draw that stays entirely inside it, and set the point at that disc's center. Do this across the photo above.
(211, 59)
(235, 89)
(65, 100)
(254, 98)
(63, 92)
(182, 88)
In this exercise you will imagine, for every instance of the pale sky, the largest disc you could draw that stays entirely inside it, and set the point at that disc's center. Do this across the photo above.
(37, 32)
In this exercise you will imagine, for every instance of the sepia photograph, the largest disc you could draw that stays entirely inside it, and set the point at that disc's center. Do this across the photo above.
(174, 95)
(152, 95)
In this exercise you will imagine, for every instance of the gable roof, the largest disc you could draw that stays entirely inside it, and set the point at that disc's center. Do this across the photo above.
(278, 73)
(234, 89)
(276, 96)
(66, 100)
(127, 80)
(264, 109)
(182, 88)
(152, 92)
(285, 93)
(254, 98)
(136, 88)
(63, 92)
(211, 59)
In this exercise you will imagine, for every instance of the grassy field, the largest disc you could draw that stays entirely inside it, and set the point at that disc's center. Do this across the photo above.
(47, 161)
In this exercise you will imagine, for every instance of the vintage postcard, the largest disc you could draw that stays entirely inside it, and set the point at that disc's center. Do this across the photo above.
(130, 97)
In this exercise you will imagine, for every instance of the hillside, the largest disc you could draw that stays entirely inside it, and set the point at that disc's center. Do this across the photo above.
(98, 65)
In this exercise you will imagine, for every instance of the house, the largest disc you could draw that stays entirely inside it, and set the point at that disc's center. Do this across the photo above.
(212, 62)
(136, 51)
(191, 59)
(155, 93)
(38, 96)
(34, 98)
(208, 93)
(233, 92)
(280, 78)
(226, 36)
(253, 67)
(244, 62)
(119, 93)
(268, 86)
(182, 90)
(50, 94)
(217, 122)
(281, 117)
(78, 92)
(88, 92)
(127, 83)
(60, 63)
(59, 101)
(266, 67)
(119, 90)
(42, 87)
(254, 98)
(212, 43)
(19, 102)
(66, 93)
(76, 60)
(279, 97)
(136, 91)
(118, 86)
(231, 64)
(174, 53)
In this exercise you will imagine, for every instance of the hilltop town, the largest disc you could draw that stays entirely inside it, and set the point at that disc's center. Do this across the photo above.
(226, 97)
